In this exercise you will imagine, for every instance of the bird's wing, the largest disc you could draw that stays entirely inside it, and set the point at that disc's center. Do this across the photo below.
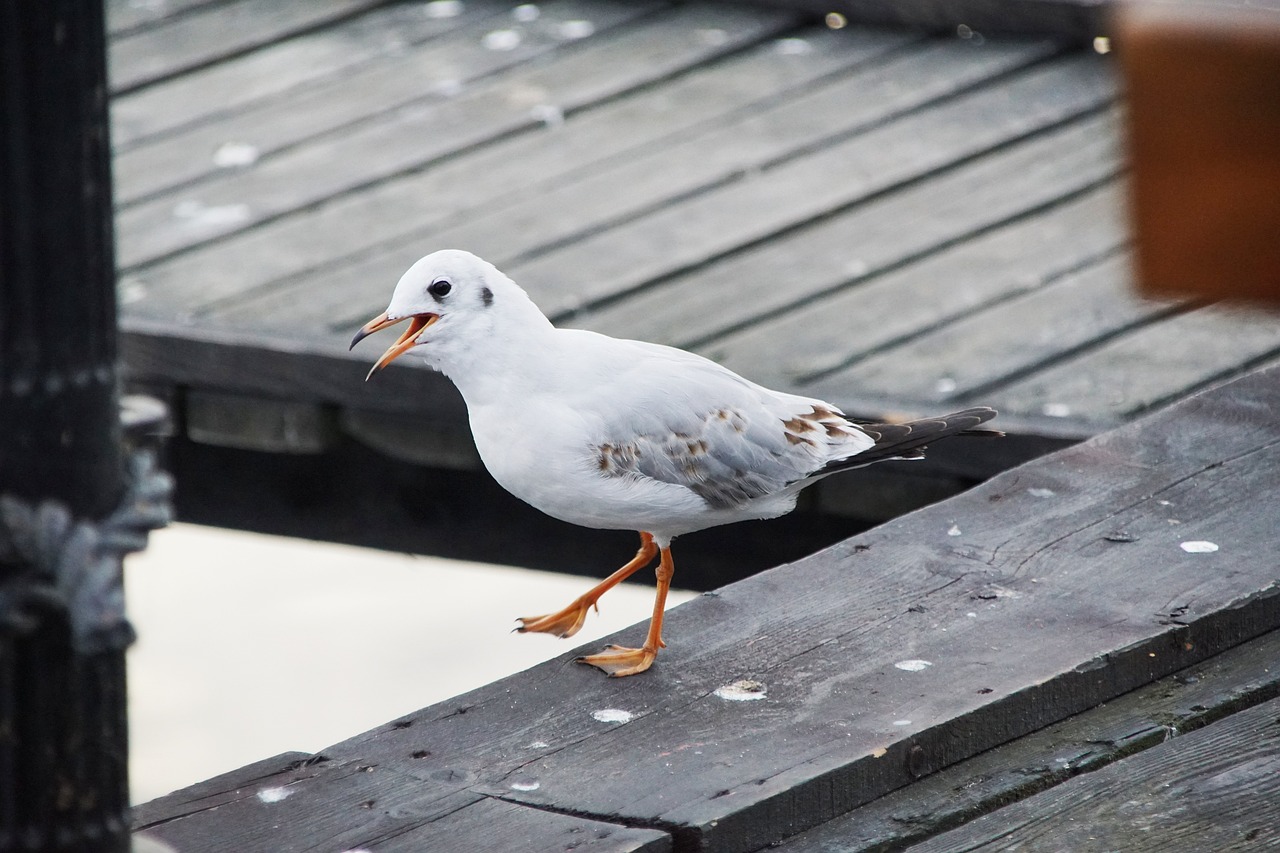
(688, 421)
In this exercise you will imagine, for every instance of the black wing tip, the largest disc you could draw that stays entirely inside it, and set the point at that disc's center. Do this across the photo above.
(909, 439)
(981, 414)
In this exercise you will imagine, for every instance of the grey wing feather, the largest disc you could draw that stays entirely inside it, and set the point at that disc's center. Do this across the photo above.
(751, 442)
(721, 457)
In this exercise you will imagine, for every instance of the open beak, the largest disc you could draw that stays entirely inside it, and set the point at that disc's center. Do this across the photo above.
(406, 342)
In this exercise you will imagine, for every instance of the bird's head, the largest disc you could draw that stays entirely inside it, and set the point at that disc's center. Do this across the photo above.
(455, 303)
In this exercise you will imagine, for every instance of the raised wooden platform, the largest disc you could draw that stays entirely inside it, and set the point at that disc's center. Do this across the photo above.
(952, 678)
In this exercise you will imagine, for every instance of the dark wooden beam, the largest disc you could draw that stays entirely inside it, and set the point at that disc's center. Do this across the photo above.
(63, 738)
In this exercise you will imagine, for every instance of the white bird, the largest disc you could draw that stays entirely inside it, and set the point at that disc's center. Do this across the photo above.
(621, 434)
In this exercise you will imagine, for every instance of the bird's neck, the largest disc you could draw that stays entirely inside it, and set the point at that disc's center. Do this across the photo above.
(511, 359)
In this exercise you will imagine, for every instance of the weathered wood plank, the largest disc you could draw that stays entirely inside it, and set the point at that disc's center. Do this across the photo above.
(1148, 367)
(1073, 19)
(648, 179)
(222, 788)
(216, 90)
(847, 296)
(126, 15)
(219, 31)
(803, 191)
(1188, 700)
(1081, 546)
(1013, 338)
(500, 826)
(316, 245)
(422, 72)
(350, 806)
(1214, 789)
(766, 140)
(577, 74)
(887, 303)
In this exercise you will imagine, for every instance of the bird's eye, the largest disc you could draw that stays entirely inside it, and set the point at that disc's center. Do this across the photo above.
(440, 288)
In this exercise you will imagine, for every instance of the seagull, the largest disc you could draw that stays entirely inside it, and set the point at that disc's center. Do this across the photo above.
(620, 434)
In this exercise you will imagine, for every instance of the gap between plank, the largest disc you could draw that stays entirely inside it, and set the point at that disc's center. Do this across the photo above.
(915, 257)
(763, 167)
(801, 225)
(528, 125)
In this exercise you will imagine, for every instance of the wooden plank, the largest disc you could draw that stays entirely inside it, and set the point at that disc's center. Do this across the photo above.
(1186, 701)
(381, 809)
(1214, 789)
(1059, 163)
(1077, 545)
(312, 250)
(982, 351)
(276, 68)
(423, 71)
(1146, 368)
(214, 33)
(941, 211)
(784, 144)
(804, 191)
(504, 826)
(591, 70)
(1078, 20)
(222, 788)
(1202, 91)
(845, 298)
(126, 15)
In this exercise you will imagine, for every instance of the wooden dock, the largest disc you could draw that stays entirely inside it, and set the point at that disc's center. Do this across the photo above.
(1080, 651)
(1078, 654)
(894, 221)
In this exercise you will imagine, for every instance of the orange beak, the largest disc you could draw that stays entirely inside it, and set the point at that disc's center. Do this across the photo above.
(406, 342)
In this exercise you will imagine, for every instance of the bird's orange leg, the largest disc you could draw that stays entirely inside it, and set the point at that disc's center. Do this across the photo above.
(620, 661)
(566, 622)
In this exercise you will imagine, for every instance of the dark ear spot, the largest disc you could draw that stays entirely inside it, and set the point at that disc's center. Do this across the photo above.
(486, 296)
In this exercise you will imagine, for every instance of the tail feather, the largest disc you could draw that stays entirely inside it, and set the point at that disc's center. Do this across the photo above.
(908, 440)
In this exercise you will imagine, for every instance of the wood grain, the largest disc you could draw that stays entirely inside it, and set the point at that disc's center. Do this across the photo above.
(1148, 367)
(385, 144)
(891, 301)
(966, 358)
(1215, 789)
(808, 190)
(916, 238)
(214, 32)
(212, 95)
(659, 178)
(799, 137)
(126, 15)
(1078, 20)
(317, 252)
(1158, 713)
(379, 808)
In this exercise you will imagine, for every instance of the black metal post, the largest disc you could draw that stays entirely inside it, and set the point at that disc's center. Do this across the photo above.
(63, 756)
